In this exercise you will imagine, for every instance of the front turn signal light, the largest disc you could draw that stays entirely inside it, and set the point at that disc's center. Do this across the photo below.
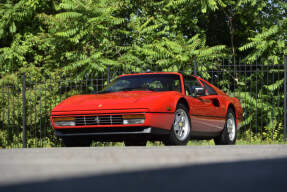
(64, 121)
(133, 119)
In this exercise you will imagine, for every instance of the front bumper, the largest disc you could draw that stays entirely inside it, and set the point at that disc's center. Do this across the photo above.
(115, 135)
(102, 131)
(152, 120)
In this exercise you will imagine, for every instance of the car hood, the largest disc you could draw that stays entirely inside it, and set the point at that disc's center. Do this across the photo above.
(116, 100)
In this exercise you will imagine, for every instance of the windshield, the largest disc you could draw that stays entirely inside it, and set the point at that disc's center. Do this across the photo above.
(149, 82)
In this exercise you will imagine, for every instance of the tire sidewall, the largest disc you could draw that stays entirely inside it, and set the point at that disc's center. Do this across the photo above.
(224, 137)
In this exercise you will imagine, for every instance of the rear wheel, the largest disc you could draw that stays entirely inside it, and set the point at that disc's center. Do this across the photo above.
(228, 135)
(180, 131)
(135, 142)
(76, 141)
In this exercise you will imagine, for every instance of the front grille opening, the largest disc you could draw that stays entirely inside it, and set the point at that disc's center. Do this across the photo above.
(99, 120)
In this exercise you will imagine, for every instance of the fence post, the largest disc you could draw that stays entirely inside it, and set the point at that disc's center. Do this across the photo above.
(285, 97)
(194, 67)
(109, 77)
(24, 142)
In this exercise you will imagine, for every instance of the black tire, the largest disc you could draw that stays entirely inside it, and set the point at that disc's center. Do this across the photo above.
(76, 141)
(224, 138)
(174, 138)
(135, 142)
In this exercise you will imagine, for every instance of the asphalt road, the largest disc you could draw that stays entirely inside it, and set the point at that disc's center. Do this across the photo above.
(136, 169)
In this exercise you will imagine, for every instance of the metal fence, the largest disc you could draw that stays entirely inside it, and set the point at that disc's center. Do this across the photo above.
(26, 101)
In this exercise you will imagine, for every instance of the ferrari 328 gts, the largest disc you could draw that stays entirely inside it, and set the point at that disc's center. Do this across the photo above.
(162, 106)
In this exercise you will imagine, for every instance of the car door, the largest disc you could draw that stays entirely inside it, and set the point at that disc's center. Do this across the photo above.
(218, 100)
(203, 109)
(219, 105)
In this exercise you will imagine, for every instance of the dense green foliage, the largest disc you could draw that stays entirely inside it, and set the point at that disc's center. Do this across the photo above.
(45, 39)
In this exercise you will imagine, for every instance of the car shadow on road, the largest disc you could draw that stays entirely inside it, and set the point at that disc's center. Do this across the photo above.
(257, 175)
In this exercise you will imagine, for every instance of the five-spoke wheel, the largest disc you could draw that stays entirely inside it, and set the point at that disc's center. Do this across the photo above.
(228, 135)
(181, 126)
(180, 131)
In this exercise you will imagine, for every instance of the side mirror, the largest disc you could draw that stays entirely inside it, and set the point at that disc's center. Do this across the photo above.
(198, 92)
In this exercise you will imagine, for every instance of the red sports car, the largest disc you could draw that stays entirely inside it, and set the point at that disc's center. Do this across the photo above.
(134, 108)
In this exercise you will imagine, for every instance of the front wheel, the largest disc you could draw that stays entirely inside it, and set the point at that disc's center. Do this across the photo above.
(180, 131)
(228, 135)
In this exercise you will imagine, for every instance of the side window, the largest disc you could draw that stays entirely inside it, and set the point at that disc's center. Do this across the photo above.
(209, 89)
(190, 84)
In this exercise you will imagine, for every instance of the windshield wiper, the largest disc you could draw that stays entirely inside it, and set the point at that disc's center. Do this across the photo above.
(100, 92)
(137, 89)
